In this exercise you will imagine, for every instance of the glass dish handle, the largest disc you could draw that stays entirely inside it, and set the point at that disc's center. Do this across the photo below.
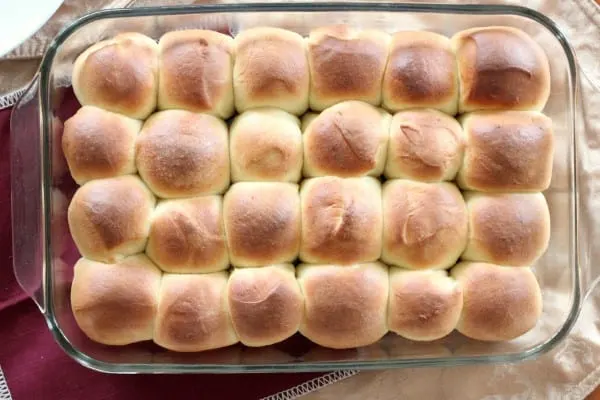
(26, 194)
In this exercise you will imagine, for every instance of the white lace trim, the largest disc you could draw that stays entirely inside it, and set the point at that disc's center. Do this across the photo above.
(4, 392)
(9, 100)
(311, 385)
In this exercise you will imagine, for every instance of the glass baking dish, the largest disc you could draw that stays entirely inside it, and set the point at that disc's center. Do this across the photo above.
(44, 253)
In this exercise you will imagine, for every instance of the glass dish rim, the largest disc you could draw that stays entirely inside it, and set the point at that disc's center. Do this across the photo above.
(129, 368)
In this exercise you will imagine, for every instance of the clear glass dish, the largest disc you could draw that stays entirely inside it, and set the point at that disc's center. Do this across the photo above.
(44, 253)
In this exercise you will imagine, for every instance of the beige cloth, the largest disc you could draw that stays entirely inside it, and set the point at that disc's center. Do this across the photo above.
(570, 371)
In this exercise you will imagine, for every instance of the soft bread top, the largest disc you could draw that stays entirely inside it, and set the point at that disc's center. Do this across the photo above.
(507, 229)
(271, 70)
(507, 151)
(265, 303)
(345, 306)
(499, 303)
(183, 154)
(346, 64)
(421, 73)
(188, 236)
(425, 145)
(196, 72)
(424, 224)
(119, 74)
(500, 68)
(110, 218)
(266, 145)
(115, 304)
(347, 139)
(99, 144)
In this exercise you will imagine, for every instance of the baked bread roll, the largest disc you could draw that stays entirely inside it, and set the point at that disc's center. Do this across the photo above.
(188, 236)
(346, 64)
(499, 303)
(341, 220)
(110, 218)
(507, 151)
(347, 139)
(183, 154)
(421, 73)
(345, 306)
(266, 145)
(196, 72)
(99, 144)
(262, 223)
(507, 229)
(270, 70)
(193, 314)
(425, 145)
(424, 305)
(119, 75)
(115, 304)
(500, 67)
(265, 303)
(425, 225)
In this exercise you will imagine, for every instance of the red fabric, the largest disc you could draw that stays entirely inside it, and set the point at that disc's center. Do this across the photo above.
(35, 366)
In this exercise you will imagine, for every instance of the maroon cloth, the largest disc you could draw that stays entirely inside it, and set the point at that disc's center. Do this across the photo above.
(36, 367)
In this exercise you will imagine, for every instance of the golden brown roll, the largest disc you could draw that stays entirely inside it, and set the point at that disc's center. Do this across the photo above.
(115, 304)
(425, 225)
(507, 151)
(341, 220)
(424, 305)
(507, 228)
(425, 145)
(266, 304)
(421, 73)
(346, 64)
(270, 70)
(183, 154)
(500, 67)
(99, 144)
(110, 218)
(193, 314)
(499, 303)
(344, 306)
(266, 145)
(188, 236)
(196, 72)
(347, 139)
(119, 75)
(262, 223)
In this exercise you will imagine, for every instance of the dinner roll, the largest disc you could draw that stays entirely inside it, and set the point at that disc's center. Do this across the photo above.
(119, 75)
(499, 303)
(347, 139)
(421, 73)
(99, 144)
(110, 218)
(265, 303)
(424, 305)
(345, 64)
(193, 314)
(196, 72)
(266, 145)
(341, 220)
(115, 304)
(507, 228)
(187, 235)
(183, 154)
(507, 151)
(345, 306)
(500, 67)
(424, 145)
(424, 224)
(262, 223)
(270, 70)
